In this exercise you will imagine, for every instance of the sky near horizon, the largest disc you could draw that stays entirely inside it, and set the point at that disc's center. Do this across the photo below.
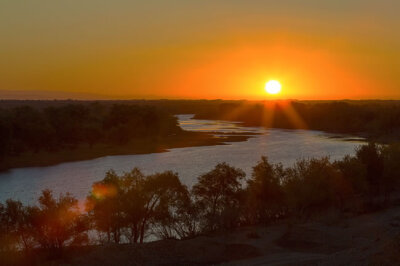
(227, 49)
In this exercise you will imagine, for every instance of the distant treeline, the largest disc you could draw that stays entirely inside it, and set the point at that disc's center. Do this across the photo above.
(52, 128)
(376, 119)
(379, 120)
(133, 206)
(170, 106)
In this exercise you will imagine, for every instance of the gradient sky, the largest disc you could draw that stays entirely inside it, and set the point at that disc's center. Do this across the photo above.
(199, 49)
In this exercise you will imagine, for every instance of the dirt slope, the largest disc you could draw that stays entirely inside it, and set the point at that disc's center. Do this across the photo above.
(363, 240)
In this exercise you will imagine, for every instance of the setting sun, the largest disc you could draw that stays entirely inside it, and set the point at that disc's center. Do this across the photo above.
(273, 87)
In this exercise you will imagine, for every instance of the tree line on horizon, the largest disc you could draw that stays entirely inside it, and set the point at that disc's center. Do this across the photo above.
(130, 207)
(379, 120)
(54, 128)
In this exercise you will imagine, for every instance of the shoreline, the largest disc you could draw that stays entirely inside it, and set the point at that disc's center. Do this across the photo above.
(142, 146)
(351, 136)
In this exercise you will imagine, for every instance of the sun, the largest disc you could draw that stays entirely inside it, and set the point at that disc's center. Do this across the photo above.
(273, 87)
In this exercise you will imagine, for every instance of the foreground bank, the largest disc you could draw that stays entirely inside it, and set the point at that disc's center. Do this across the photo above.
(329, 239)
(130, 207)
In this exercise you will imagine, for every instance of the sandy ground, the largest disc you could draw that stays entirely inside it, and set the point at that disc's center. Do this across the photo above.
(369, 239)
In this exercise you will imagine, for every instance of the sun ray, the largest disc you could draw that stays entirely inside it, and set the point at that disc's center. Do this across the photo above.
(294, 117)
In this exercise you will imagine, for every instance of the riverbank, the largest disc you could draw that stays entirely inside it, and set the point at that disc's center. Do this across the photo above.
(140, 146)
(329, 239)
(375, 121)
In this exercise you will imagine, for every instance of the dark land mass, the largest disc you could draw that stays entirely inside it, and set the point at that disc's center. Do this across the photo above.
(375, 120)
(41, 133)
(140, 146)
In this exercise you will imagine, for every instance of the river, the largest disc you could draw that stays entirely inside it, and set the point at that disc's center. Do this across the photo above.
(285, 146)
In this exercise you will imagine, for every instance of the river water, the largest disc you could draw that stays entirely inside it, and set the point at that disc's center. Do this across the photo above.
(285, 146)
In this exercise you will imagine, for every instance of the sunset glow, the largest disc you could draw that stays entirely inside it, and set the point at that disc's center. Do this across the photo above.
(178, 56)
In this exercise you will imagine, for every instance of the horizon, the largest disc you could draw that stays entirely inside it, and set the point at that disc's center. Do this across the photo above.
(105, 98)
(213, 50)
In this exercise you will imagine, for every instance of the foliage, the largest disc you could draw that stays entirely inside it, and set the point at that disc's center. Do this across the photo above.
(354, 173)
(264, 193)
(313, 185)
(134, 202)
(16, 225)
(29, 129)
(218, 194)
(375, 119)
(57, 221)
(132, 206)
(371, 157)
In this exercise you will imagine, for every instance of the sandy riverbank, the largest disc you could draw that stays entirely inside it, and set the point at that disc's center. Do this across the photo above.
(368, 239)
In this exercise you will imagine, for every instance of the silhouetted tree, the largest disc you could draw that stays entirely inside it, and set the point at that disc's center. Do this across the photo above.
(218, 194)
(105, 206)
(355, 174)
(313, 185)
(132, 201)
(391, 171)
(57, 222)
(161, 193)
(265, 194)
(6, 242)
(371, 157)
(18, 220)
(177, 217)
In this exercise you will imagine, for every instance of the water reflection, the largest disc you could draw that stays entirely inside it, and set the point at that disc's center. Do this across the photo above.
(283, 146)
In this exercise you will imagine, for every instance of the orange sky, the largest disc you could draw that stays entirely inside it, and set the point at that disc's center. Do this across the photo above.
(199, 49)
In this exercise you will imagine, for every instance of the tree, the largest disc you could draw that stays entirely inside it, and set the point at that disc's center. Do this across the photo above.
(135, 202)
(372, 158)
(391, 171)
(265, 196)
(5, 236)
(354, 172)
(18, 221)
(161, 194)
(218, 194)
(57, 221)
(176, 217)
(104, 205)
(313, 185)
